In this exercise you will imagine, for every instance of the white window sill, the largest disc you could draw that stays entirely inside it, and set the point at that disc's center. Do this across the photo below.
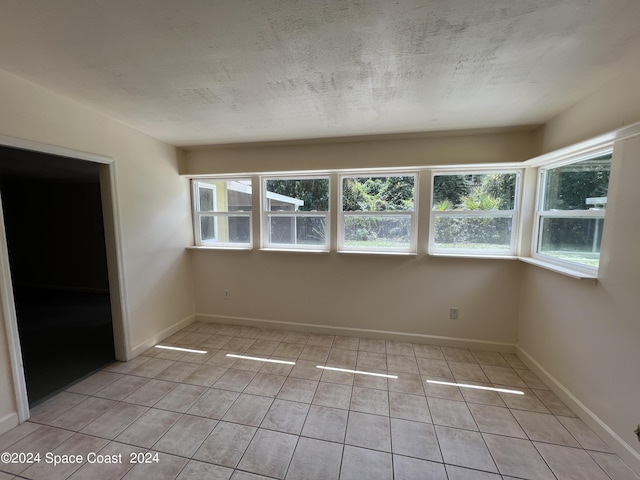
(570, 272)
(221, 247)
(487, 256)
(296, 250)
(376, 252)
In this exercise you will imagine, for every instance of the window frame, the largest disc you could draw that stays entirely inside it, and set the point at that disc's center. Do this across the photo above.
(514, 214)
(541, 214)
(412, 214)
(198, 213)
(198, 183)
(265, 230)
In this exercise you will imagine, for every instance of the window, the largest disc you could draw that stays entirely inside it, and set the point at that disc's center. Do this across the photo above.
(378, 213)
(222, 212)
(295, 213)
(572, 200)
(474, 213)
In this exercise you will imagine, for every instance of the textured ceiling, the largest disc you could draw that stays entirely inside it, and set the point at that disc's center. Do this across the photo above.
(195, 72)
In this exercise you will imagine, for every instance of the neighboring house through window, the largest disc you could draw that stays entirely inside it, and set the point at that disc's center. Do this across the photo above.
(222, 211)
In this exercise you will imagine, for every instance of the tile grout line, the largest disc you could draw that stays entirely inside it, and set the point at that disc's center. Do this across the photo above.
(174, 362)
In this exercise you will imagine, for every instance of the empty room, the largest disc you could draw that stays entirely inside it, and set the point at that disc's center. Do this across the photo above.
(320, 239)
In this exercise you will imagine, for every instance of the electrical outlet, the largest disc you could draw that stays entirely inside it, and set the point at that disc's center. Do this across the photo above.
(454, 313)
(227, 294)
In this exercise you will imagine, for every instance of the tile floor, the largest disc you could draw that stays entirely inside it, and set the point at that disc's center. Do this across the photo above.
(217, 417)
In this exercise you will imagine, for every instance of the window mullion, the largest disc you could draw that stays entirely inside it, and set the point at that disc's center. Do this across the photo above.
(572, 213)
(297, 214)
(476, 213)
(379, 214)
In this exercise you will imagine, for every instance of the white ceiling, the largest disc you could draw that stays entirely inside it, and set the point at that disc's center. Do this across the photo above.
(195, 72)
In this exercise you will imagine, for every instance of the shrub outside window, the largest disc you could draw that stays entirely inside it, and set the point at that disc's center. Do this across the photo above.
(378, 213)
(474, 213)
(295, 213)
(572, 200)
(222, 212)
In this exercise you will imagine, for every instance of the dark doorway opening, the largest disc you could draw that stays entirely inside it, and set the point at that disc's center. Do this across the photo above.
(55, 236)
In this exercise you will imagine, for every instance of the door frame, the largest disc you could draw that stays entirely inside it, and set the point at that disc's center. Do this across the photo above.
(115, 267)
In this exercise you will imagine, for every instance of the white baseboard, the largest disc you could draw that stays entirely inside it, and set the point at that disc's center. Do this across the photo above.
(8, 422)
(360, 332)
(617, 444)
(158, 337)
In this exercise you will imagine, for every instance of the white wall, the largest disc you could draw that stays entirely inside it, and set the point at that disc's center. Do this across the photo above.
(586, 334)
(153, 207)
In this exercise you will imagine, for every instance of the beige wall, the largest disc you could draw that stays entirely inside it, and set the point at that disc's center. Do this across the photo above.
(615, 105)
(153, 206)
(472, 147)
(586, 334)
(406, 294)
(409, 295)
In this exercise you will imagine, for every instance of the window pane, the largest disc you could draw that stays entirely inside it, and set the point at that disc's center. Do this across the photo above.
(477, 233)
(378, 194)
(297, 230)
(223, 229)
(572, 239)
(491, 191)
(305, 195)
(230, 195)
(207, 229)
(379, 232)
(206, 198)
(578, 186)
(238, 198)
(239, 229)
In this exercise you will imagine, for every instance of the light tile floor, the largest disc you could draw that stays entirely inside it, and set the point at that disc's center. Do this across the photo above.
(216, 417)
